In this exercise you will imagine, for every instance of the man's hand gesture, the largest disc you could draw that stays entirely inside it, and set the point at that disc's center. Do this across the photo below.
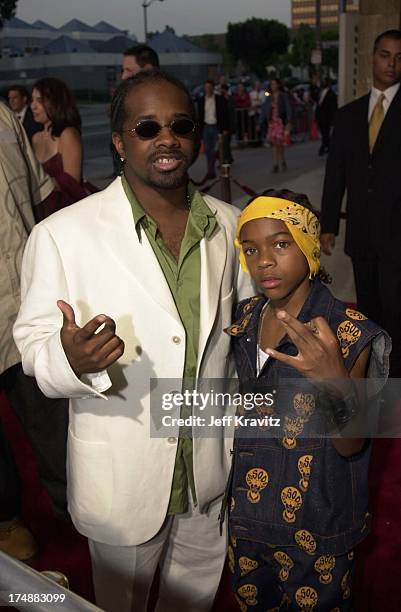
(86, 350)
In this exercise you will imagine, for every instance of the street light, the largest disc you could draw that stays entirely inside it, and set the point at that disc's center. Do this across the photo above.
(145, 5)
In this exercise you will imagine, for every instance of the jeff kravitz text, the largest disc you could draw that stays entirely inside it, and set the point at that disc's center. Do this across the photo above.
(224, 421)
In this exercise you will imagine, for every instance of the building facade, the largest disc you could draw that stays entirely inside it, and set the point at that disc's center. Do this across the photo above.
(304, 12)
(374, 17)
(88, 58)
(357, 34)
(20, 38)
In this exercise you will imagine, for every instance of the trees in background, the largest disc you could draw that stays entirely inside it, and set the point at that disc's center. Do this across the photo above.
(7, 10)
(257, 42)
(330, 49)
(304, 41)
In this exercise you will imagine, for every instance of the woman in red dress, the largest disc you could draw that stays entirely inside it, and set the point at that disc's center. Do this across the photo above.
(278, 116)
(59, 146)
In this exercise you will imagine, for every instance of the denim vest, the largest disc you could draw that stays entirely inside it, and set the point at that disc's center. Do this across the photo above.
(293, 490)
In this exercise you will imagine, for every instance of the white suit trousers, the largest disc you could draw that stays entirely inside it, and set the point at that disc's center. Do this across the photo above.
(190, 552)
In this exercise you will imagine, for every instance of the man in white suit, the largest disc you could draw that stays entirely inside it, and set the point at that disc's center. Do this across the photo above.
(159, 259)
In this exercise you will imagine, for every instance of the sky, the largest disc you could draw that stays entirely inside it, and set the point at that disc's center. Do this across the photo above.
(185, 16)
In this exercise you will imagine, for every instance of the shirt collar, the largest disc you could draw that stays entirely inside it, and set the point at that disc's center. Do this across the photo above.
(389, 93)
(202, 217)
(21, 113)
(318, 303)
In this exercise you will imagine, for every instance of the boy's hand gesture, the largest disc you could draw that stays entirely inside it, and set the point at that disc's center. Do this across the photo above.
(319, 355)
(86, 350)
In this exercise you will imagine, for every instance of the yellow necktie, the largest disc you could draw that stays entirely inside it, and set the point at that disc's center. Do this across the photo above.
(376, 121)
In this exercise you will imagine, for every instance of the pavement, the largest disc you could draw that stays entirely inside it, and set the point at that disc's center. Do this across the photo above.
(252, 168)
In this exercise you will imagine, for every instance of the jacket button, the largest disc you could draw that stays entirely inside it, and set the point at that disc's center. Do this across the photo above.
(172, 440)
(176, 339)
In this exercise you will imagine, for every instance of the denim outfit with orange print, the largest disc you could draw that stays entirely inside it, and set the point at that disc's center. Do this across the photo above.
(296, 506)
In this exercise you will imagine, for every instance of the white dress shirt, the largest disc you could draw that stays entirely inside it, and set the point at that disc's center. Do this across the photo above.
(261, 360)
(375, 94)
(323, 95)
(210, 110)
(257, 99)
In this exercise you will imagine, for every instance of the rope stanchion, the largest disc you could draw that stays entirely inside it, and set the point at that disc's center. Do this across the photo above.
(210, 186)
(225, 183)
(245, 188)
(206, 188)
(248, 190)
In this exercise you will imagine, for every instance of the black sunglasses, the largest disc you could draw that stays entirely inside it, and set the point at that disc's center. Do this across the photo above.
(149, 128)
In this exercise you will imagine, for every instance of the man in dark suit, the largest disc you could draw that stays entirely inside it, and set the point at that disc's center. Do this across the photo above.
(365, 159)
(18, 100)
(213, 117)
(325, 111)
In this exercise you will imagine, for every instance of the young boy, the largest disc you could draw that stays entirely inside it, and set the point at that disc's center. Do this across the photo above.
(297, 502)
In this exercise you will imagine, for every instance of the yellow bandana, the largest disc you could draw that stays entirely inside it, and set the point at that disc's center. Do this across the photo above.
(302, 224)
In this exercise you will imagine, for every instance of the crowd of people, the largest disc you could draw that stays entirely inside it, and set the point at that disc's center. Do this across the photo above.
(252, 115)
(149, 282)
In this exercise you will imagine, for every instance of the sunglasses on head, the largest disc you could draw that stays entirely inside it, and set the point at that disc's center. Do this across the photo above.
(149, 128)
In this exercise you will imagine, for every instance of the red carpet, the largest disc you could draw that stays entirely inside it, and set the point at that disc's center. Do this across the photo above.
(61, 546)
(379, 557)
(379, 560)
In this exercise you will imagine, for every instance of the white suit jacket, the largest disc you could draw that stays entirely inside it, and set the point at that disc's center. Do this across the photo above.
(119, 477)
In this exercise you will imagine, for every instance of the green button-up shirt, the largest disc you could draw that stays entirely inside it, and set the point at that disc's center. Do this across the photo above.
(183, 278)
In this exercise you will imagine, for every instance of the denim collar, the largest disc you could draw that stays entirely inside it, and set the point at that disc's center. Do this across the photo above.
(319, 302)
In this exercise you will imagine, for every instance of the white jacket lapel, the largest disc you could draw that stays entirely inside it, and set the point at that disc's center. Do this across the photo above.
(213, 261)
(137, 257)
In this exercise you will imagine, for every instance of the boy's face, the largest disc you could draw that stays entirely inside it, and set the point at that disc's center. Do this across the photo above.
(274, 260)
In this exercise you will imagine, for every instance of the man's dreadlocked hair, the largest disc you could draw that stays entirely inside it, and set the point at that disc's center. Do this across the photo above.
(303, 200)
(119, 112)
